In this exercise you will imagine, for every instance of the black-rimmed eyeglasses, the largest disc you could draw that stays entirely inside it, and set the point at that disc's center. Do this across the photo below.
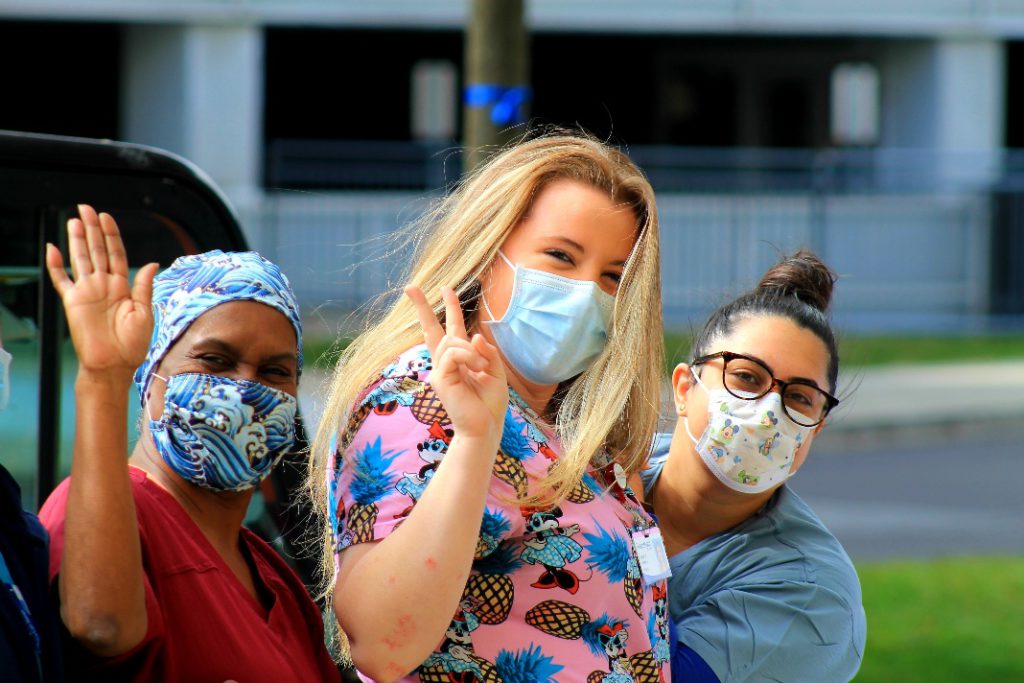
(803, 401)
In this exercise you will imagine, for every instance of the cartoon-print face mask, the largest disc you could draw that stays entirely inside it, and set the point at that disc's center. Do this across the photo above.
(748, 444)
(223, 434)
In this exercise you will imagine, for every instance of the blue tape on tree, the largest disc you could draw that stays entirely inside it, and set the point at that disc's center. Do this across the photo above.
(506, 103)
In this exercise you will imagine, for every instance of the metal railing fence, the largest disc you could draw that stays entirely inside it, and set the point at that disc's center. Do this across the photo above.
(920, 240)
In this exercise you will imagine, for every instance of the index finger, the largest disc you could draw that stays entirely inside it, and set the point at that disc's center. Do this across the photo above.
(454, 323)
(432, 331)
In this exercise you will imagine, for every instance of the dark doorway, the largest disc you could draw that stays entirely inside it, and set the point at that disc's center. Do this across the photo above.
(61, 78)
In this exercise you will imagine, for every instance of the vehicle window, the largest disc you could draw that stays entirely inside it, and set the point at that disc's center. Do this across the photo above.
(148, 237)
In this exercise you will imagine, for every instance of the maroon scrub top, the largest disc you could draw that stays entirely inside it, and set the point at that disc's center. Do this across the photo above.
(203, 624)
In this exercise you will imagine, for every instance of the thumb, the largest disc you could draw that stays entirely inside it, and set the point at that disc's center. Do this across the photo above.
(142, 287)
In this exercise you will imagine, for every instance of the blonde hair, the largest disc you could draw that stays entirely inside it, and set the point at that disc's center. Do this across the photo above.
(614, 404)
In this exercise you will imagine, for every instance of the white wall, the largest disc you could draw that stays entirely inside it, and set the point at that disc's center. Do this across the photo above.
(785, 17)
(198, 91)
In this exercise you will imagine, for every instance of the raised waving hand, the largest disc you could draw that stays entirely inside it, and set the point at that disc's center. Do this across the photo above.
(110, 321)
(468, 373)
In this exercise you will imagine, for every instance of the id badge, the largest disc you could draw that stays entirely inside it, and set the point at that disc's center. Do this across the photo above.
(650, 552)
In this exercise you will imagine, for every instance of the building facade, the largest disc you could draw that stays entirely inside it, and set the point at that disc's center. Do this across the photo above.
(880, 134)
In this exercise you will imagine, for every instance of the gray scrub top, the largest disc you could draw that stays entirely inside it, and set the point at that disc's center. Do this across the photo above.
(776, 598)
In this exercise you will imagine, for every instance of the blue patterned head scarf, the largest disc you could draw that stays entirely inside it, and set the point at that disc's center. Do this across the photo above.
(195, 284)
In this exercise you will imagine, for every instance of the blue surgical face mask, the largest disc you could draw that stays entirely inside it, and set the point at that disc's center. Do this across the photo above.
(223, 434)
(554, 328)
(5, 378)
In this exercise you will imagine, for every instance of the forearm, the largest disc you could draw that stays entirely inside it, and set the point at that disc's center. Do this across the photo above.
(399, 596)
(101, 582)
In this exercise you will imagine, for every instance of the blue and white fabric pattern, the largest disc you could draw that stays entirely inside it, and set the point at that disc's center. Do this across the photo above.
(195, 284)
(223, 434)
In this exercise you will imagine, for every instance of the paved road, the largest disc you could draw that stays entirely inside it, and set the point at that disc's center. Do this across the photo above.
(945, 498)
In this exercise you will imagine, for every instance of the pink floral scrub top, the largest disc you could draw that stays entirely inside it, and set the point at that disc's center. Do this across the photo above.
(555, 594)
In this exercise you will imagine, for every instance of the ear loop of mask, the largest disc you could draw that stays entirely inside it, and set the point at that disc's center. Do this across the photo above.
(686, 418)
(145, 403)
(483, 298)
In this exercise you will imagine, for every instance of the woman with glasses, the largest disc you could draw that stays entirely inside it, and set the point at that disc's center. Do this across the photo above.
(760, 589)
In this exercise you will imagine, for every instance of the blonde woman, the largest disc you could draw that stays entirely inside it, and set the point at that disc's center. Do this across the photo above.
(481, 523)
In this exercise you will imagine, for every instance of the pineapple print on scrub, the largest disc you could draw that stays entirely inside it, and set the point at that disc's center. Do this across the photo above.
(612, 555)
(455, 660)
(514, 450)
(383, 466)
(427, 408)
(527, 666)
(605, 636)
(493, 527)
(490, 588)
(371, 481)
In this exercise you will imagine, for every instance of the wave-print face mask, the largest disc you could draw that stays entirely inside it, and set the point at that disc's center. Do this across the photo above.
(748, 444)
(223, 434)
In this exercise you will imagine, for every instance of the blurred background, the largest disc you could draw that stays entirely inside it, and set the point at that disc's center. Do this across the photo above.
(883, 135)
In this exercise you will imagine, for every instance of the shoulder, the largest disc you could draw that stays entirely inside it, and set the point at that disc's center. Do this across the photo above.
(656, 461)
(784, 544)
(781, 577)
(397, 384)
(412, 364)
(824, 557)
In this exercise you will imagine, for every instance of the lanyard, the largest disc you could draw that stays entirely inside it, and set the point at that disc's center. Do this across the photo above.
(8, 581)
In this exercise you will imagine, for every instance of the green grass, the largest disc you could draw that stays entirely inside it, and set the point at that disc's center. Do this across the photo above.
(854, 351)
(863, 351)
(944, 621)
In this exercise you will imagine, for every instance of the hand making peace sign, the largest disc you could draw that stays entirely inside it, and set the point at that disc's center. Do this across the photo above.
(468, 374)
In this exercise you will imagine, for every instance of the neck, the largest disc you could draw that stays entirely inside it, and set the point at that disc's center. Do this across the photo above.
(691, 503)
(218, 514)
(537, 396)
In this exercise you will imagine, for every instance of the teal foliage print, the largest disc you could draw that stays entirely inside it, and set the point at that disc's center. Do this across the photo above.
(503, 561)
(371, 479)
(608, 553)
(493, 527)
(494, 524)
(514, 442)
(526, 666)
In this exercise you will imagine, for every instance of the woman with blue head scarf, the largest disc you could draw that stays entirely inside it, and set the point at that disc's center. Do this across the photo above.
(158, 579)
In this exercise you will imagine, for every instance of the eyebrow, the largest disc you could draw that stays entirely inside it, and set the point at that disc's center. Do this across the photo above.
(791, 380)
(579, 247)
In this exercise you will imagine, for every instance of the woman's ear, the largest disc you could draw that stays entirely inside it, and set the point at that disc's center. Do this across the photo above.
(682, 381)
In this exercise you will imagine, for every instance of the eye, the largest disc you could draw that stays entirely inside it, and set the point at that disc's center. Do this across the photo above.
(614, 277)
(278, 372)
(800, 396)
(214, 360)
(745, 377)
(560, 255)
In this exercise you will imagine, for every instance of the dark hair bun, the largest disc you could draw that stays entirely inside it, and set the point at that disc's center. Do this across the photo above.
(802, 275)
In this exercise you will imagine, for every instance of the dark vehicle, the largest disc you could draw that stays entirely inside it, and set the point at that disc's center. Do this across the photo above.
(166, 208)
